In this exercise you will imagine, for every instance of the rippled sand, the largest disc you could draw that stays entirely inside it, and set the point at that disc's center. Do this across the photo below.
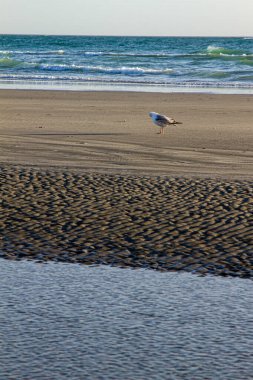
(164, 223)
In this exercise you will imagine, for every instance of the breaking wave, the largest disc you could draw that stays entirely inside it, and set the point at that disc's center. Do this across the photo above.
(8, 63)
(103, 69)
(218, 50)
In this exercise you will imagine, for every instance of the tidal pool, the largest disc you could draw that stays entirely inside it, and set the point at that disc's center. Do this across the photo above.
(67, 321)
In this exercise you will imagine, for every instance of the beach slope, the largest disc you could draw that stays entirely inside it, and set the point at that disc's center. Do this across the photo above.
(85, 178)
(112, 131)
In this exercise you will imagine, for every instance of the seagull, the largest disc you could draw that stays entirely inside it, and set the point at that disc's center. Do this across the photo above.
(162, 121)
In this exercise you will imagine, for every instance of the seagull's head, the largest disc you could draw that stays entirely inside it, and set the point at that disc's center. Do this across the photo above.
(152, 115)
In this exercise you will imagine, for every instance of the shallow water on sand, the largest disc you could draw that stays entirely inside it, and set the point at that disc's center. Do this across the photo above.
(64, 321)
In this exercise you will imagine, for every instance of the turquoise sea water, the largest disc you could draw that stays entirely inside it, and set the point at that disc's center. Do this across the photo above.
(146, 63)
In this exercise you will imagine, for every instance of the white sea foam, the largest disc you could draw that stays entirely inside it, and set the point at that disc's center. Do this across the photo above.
(105, 69)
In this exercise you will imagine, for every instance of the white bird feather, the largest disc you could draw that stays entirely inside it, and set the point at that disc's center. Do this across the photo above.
(162, 121)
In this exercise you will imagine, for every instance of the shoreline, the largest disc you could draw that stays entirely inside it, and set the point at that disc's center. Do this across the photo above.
(24, 85)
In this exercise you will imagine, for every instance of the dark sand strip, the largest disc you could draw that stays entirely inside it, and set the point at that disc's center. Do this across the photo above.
(163, 223)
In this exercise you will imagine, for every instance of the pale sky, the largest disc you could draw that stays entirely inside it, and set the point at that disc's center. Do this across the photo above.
(128, 17)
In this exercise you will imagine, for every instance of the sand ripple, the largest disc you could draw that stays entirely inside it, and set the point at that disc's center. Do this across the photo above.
(163, 223)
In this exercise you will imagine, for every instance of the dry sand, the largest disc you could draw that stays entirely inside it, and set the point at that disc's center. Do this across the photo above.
(111, 131)
(85, 178)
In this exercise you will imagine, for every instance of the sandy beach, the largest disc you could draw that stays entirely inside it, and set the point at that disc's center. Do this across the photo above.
(86, 178)
(111, 131)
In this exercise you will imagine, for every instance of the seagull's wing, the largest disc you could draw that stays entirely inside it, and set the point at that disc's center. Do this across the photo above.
(163, 119)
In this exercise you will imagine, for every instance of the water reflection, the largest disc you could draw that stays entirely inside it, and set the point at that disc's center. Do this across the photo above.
(63, 321)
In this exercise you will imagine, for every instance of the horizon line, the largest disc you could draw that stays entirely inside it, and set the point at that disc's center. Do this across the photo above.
(128, 36)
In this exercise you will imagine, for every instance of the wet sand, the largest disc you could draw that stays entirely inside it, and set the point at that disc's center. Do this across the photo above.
(163, 223)
(86, 179)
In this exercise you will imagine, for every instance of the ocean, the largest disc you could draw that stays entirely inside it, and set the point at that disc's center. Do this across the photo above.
(134, 63)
